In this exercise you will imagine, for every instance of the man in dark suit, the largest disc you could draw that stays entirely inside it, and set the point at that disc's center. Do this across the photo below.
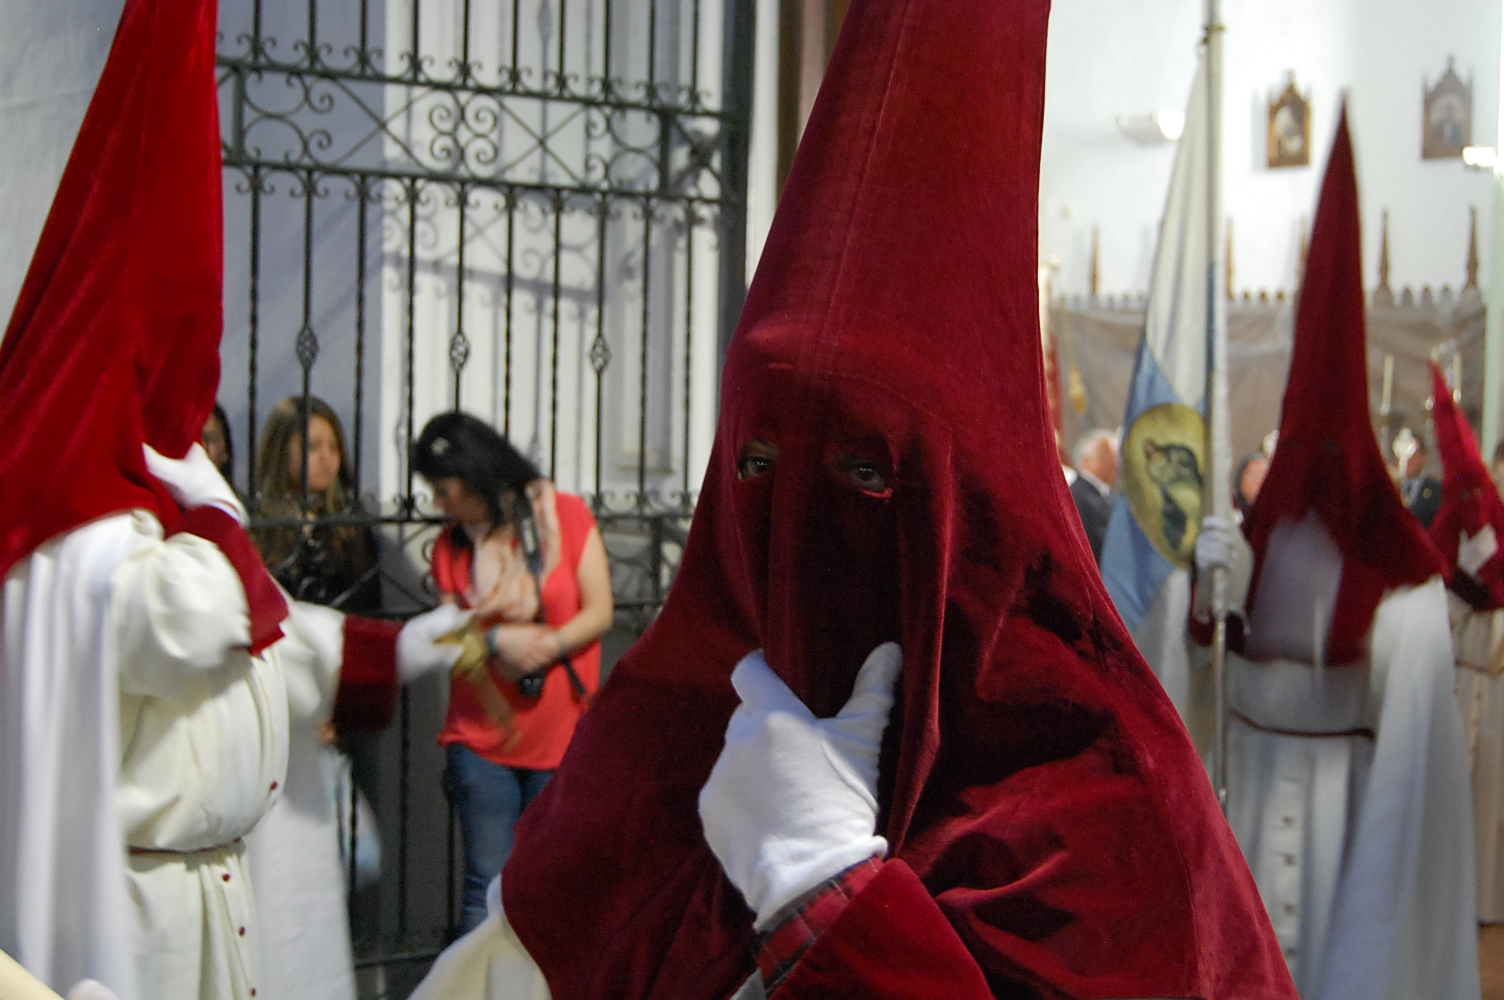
(1422, 492)
(1096, 458)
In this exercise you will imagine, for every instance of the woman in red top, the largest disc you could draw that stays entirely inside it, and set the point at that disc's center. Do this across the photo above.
(543, 597)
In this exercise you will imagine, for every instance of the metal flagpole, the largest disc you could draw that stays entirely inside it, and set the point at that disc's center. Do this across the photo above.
(1218, 489)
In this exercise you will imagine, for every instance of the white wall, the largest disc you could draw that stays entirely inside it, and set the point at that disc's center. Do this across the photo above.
(51, 56)
(1109, 58)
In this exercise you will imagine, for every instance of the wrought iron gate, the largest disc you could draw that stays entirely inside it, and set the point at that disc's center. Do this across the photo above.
(534, 210)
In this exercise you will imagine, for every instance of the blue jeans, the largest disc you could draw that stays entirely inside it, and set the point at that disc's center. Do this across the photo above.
(489, 799)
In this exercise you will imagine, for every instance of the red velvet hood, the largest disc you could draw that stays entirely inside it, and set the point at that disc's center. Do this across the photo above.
(1034, 774)
(114, 340)
(1469, 500)
(1328, 460)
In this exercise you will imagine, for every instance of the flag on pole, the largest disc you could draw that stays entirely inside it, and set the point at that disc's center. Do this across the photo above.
(1151, 537)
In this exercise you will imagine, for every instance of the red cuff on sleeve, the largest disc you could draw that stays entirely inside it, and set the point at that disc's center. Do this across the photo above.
(889, 941)
(367, 695)
(263, 597)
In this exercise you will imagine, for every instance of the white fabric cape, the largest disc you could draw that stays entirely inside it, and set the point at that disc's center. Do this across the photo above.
(61, 854)
(1404, 919)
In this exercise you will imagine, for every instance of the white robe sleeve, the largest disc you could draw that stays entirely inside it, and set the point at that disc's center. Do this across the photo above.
(310, 650)
(179, 609)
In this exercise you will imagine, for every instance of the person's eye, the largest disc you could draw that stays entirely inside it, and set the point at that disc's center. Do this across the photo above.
(860, 473)
(752, 466)
(757, 458)
(868, 476)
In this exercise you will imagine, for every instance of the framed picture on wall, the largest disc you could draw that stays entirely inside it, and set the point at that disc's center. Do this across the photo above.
(1448, 116)
(1290, 128)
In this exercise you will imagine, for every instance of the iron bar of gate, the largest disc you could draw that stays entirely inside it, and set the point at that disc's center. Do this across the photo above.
(607, 88)
(600, 354)
(412, 328)
(651, 88)
(415, 58)
(553, 391)
(740, 29)
(562, 77)
(254, 326)
(511, 269)
(363, 53)
(514, 68)
(689, 328)
(465, 68)
(642, 386)
(306, 344)
(459, 348)
(362, 198)
(694, 58)
(313, 32)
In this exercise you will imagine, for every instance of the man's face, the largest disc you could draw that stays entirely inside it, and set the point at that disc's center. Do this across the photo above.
(1415, 464)
(1102, 462)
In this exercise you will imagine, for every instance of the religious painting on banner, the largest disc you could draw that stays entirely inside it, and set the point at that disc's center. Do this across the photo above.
(1164, 453)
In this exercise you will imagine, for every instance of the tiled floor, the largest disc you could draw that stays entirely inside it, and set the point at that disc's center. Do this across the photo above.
(1491, 957)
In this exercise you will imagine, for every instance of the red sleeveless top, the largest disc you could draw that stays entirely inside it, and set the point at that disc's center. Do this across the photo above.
(544, 724)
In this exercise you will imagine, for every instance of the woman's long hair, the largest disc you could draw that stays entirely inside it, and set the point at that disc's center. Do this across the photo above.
(279, 490)
(456, 445)
(316, 564)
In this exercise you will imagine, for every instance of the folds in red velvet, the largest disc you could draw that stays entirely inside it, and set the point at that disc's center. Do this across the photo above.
(114, 339)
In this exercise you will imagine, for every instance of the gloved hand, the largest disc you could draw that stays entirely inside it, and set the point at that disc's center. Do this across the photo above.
(1475, 552)
(792, 799)
(193, 481)
(1214, 544)
(419, 651)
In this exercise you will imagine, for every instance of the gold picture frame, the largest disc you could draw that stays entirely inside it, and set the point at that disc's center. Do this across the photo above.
(1290, 128)
(1447, 118)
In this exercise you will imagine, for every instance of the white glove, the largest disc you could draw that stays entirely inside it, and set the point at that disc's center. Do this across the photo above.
(792, 799)
(193, 481)
(88, 989)
(1475, 552)
(1214, 544)
(418, 650)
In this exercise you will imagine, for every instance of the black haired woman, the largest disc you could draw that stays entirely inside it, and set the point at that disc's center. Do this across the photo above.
(500, 754)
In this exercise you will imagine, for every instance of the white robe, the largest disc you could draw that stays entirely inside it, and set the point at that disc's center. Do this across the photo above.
(131, 714)
(489, 963)
(1479, 638)
(1362, 847)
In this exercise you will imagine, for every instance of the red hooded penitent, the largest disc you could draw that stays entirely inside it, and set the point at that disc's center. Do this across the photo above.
(1034, 776)
(1469, 501)
(114, 341)
(126, 278)
(1328, 460)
